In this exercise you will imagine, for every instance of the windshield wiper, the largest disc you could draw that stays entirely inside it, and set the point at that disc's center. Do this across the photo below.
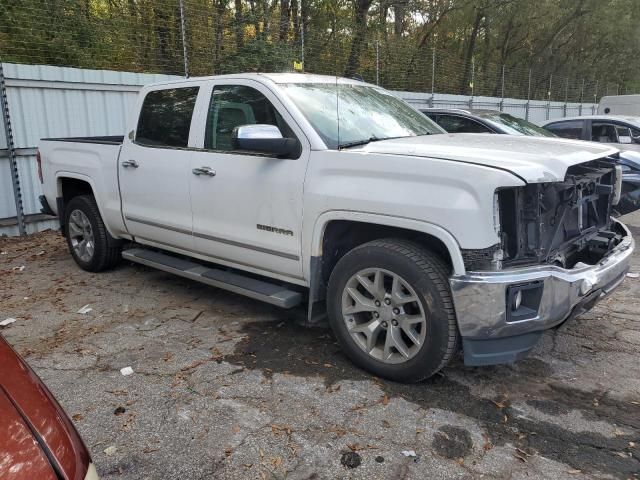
(365, 141)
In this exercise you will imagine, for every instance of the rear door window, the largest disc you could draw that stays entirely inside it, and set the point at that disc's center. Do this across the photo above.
(165, 117)
(569, 129)
(455, 124)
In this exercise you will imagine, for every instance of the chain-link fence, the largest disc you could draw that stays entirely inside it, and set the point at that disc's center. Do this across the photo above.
(204, 37)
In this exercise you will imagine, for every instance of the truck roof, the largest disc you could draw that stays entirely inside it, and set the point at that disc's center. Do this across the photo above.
(278, 78)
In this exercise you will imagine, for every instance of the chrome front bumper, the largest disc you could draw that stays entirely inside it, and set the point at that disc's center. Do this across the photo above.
(480, 298)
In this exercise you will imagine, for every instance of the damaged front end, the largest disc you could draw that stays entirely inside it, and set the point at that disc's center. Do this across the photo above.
(560, 223)
(560, 252)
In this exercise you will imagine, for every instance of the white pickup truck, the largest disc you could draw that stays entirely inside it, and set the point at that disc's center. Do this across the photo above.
(335, 196)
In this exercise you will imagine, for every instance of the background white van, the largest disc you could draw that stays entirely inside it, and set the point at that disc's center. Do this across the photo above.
(620, 105)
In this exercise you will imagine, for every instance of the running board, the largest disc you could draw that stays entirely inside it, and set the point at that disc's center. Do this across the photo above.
(250, 287)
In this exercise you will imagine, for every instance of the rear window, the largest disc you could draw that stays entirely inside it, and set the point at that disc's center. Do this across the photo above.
(568, 129)
(165, 117)
(455, 124)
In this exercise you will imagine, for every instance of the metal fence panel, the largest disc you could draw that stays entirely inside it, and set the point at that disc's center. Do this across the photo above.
(46, 101)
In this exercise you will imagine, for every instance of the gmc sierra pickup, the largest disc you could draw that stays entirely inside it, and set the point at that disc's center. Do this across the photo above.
(334, 195)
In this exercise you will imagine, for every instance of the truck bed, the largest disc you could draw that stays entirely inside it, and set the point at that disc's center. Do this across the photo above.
(105, 140)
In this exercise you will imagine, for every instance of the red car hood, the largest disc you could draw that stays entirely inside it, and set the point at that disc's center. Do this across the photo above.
(38, 440)
(21, 457)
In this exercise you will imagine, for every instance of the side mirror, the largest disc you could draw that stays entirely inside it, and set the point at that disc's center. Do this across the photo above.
(625, 139)
(264, 139)
(636, 139)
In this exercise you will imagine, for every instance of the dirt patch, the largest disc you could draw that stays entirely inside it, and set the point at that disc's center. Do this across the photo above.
(452, 442)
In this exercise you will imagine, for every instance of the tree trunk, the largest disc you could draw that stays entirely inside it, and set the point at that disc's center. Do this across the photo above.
(218, 22)
(296, 20)
(285, 18)
(471, 47)
(239, 25)
(361, 14)
(399, 13)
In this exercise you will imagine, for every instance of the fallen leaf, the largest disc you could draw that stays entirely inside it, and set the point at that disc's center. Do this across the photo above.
(522, 452)
(110, 450)
(520, 457)
(77, 417)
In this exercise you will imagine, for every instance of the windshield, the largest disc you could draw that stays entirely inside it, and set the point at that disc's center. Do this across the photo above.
(516, 126)
(366, 113)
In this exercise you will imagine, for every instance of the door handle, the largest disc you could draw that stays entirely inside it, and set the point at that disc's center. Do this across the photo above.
(130, 163)
(204, 171)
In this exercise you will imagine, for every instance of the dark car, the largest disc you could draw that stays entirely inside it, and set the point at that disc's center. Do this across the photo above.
(483, 121)
(37, 439)
(621, 130)
(630, 197)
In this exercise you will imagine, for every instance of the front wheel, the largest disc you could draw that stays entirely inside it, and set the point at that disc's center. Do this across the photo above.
(390, 307)
(89, 242)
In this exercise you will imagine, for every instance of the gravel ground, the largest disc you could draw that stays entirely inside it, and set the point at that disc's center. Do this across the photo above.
(226, 387)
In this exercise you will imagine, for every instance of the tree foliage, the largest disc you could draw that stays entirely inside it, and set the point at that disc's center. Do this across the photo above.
(565, 47)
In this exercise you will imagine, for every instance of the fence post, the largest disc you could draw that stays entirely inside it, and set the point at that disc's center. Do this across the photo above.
(581, 98)
(549, 96)
(11, 150)
(302, 39)
(526, 113)
(377, 62)
(502, 92)
(433, 76)
(185, 53)
(566, 97)
(473, 77)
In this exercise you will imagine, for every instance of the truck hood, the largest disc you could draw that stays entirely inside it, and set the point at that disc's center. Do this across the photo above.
(534, 159)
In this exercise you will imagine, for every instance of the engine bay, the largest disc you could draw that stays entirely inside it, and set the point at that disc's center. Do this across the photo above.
(560, 223)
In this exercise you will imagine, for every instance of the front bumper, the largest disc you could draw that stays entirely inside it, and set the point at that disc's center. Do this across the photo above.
(492, 335)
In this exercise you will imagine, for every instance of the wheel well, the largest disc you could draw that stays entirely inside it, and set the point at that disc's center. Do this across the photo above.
(341, 236)
(72, 187)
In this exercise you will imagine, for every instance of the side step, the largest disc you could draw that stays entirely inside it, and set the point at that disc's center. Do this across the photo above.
(259, 289)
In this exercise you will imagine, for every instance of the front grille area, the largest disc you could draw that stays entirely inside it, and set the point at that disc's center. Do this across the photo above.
(560, 223)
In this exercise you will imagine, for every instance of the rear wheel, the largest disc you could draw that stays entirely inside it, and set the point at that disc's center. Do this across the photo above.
(390, 307)
(90, 244)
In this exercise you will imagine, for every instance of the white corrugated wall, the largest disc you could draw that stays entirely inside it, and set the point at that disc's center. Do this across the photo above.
(516, 107)
(47, 101)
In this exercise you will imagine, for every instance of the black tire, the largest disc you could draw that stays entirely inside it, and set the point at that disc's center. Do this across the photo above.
(428, 275)
(107, 249)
